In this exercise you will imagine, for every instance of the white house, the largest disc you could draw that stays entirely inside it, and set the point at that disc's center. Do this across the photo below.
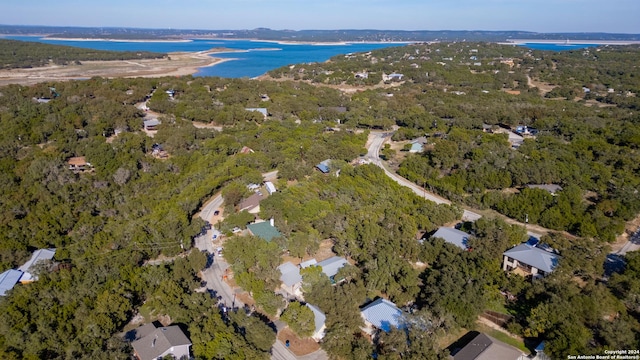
(453, 237)
(270, 187)
(30, 266)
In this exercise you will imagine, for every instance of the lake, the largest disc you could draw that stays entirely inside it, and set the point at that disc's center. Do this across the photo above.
(256, 58)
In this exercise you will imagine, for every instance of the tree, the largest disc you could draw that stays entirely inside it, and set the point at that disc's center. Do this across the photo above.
(299, 318)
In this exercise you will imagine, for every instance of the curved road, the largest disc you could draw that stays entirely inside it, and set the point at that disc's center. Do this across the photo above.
(376, 140)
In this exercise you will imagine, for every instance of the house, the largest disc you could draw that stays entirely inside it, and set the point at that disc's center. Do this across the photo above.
(392, 76)
(291, 279)
(79, 164)
(362, 75)
(551, 188)
(270, 187)
(525, 130)
(487, 128)
(331, 266)
(453, 237)
(417, 145)
(324, 166)
(264, 230)
(484, 347)
(151, 124)
(530, 260)
(262, 111)
(30, 267)
(8, 280)
(319, 319)
(251, 204)
(152, 343)
(381, 314)
(306, 264)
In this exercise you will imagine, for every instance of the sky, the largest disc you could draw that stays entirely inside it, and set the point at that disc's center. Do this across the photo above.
(612, 16)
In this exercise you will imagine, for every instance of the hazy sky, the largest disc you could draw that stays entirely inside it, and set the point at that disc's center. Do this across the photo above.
(531, 15)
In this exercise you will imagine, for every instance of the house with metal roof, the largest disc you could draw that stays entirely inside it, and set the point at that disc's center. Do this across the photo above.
(331, 266)
(265, 230)
(151, 124)
(324, 166)
(270, 187)
(381, 314)
(530, 260)
(291, 279)
(30, 267)
(484, 347)
(151, 344)
(8, 280)
(306, 264)
(319, 319)
(453, 237)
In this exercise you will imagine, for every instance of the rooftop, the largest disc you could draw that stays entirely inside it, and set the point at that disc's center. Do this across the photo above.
(453, 236)
(484, 347)
(264, 230)
(331, 265)
(290, 274)
(251, 202)
(36, 257)
(383, 314)
(8, 280)
(77, 161)
(160, 340)
(534, 256)
(318, 317)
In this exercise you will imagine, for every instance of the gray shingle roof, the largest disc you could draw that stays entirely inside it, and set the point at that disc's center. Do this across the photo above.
(290, 274)
(538, 258)
(8, 280)
(383, 314)
(484, 347)
(159, 341)
(331, 265)
(453, 236)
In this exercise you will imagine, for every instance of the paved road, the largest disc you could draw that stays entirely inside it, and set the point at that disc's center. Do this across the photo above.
(206, 213)
(376, 140)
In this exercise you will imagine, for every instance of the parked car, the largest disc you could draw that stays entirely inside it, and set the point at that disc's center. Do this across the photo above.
(216, 213)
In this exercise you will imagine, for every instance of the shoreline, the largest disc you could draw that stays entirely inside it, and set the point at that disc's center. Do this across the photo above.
(568, 42)
(112, 40)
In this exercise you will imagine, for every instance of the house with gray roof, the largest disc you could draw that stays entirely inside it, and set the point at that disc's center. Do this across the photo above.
(331, 266)
(152, 343)
(8, 280)
(453, 236)
(265, 230)
(319, 319)
(484, 347)
(306, 264)
(151, 124)
(291, 279)
(530, 261)
(30, 267)
(381, 314)
(551, 188)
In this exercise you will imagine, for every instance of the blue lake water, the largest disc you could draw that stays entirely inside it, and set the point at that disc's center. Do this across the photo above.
(556, 47)
(257, 57)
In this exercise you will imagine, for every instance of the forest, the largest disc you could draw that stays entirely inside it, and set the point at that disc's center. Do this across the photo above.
(25, 54)
(111, 224)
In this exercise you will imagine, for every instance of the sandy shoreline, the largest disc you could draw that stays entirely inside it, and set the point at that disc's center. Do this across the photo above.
(568, 42)
(176, 64)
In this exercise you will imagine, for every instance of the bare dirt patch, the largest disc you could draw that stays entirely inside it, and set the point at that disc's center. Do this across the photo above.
(298, 346)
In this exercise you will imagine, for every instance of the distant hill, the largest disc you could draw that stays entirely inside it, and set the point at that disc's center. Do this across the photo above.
(306, 35)
(23, 54)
